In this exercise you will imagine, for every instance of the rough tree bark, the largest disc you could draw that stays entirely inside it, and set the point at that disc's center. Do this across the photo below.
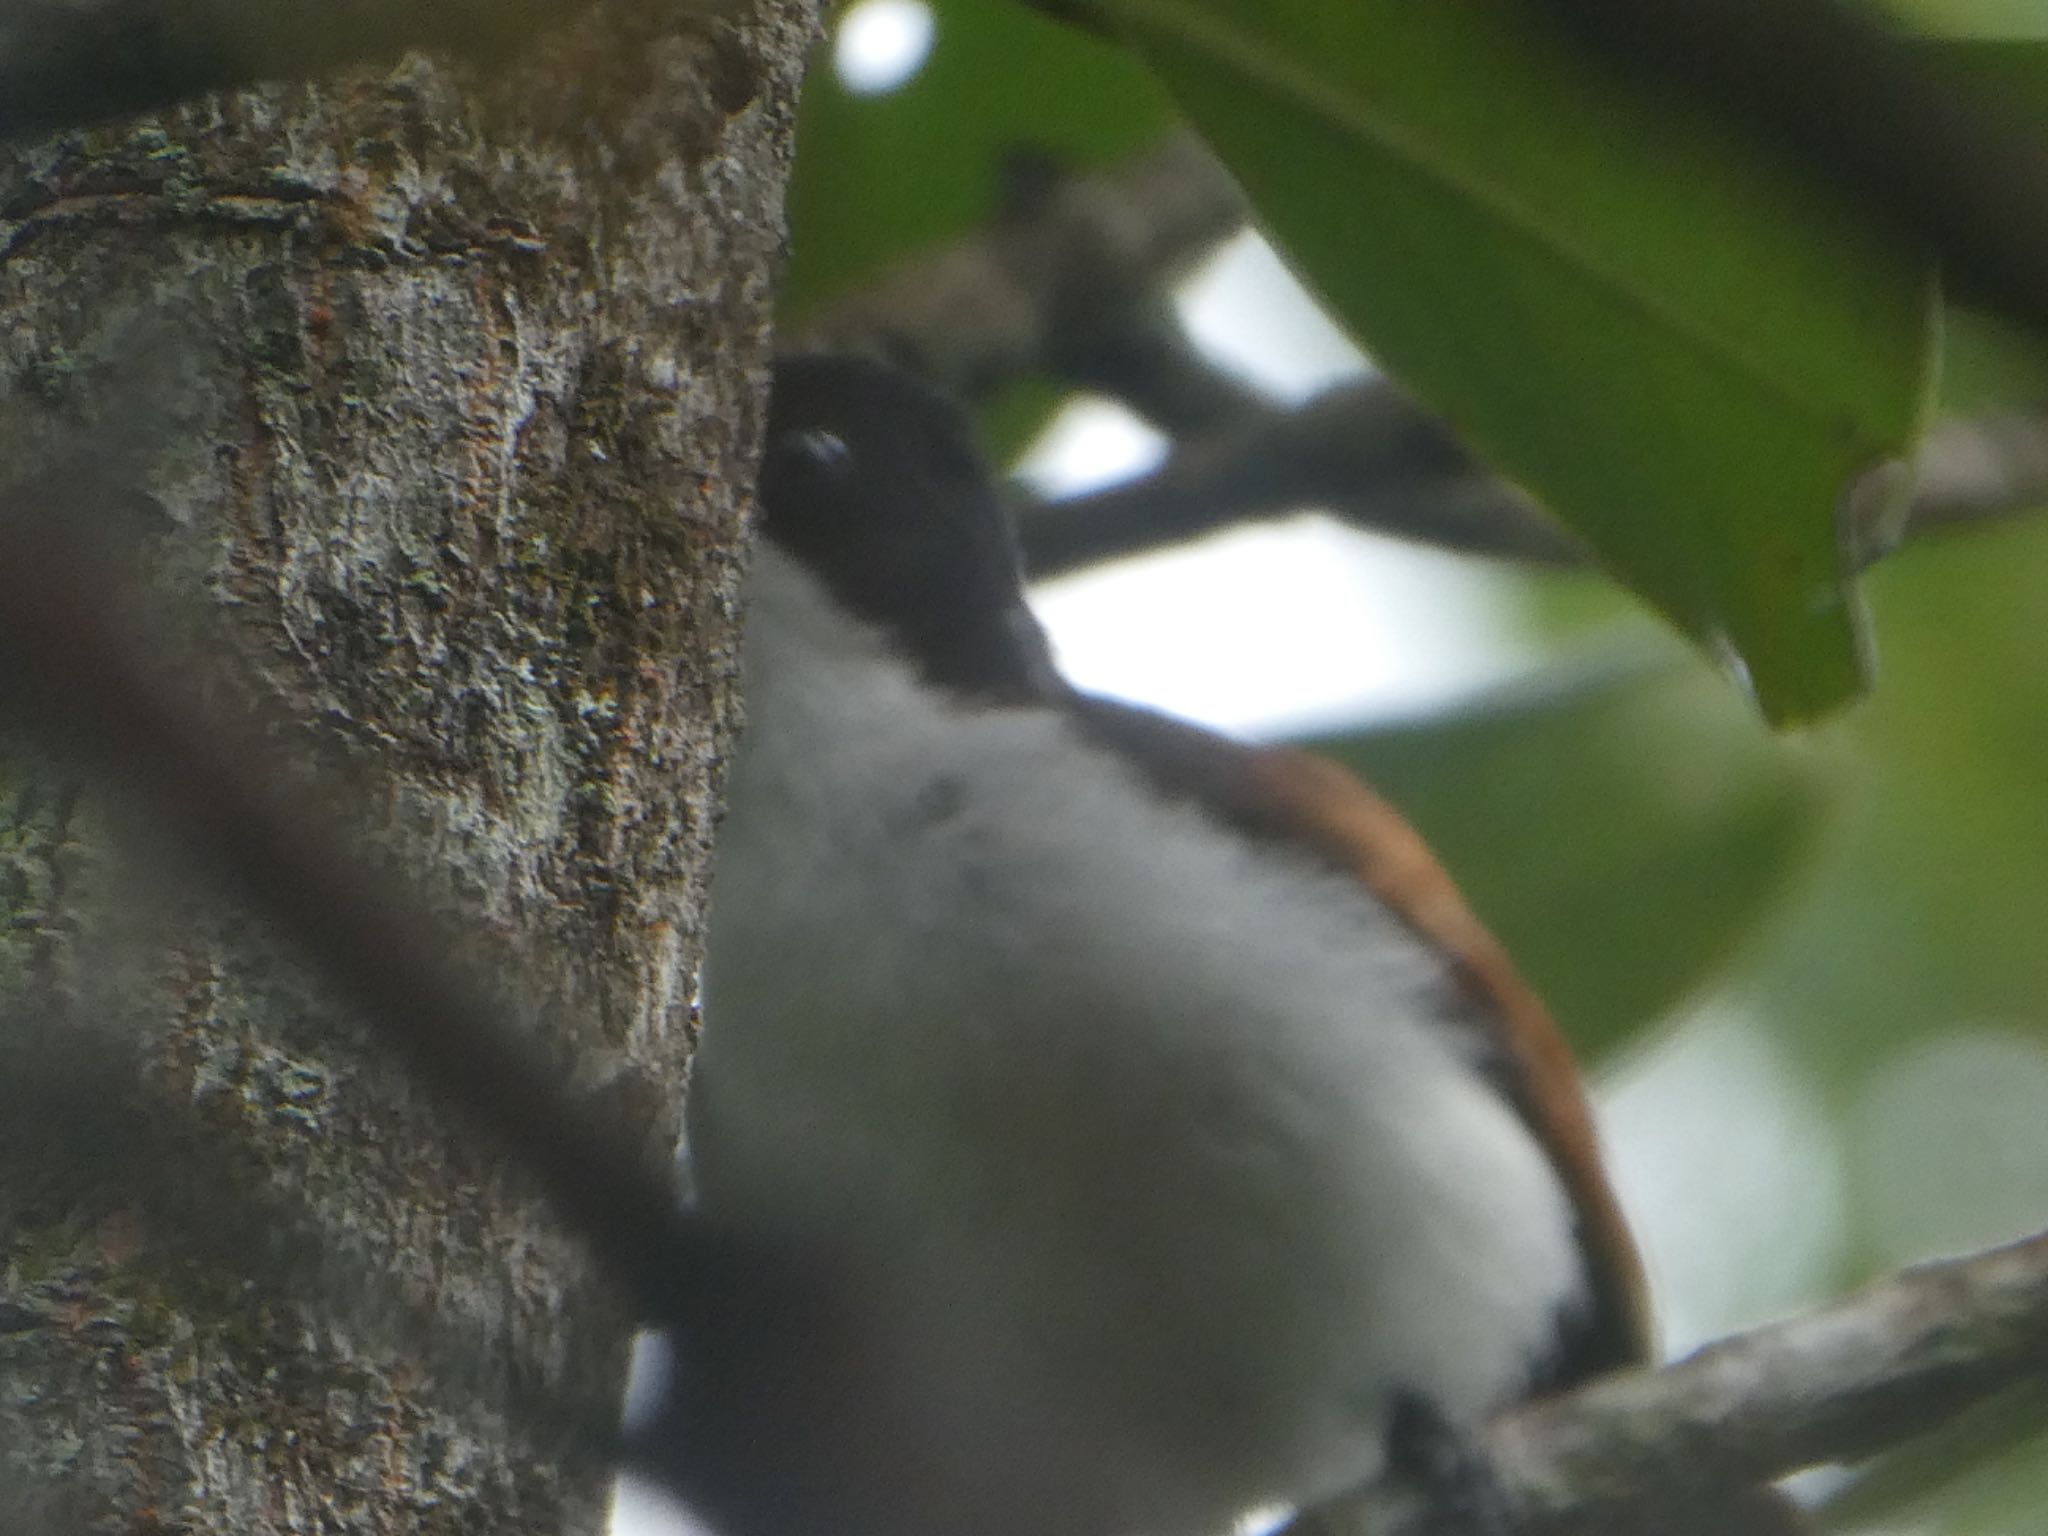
(440, 388)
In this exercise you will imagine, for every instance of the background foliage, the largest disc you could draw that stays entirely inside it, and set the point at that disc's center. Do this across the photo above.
(1824, 947)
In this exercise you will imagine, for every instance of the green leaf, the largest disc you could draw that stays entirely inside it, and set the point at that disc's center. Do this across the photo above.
(1684, 347)
(1621, 838)
(880, 177)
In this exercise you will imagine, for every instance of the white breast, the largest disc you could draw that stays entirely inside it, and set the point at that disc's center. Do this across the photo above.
(1155, 1127)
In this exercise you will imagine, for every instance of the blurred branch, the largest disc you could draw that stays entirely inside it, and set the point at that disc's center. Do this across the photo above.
(1622, 1454)
(67, 62)
(1374, 459)
(1974, 470)
(1071, 278)
(1363, 451)
(1844, 93)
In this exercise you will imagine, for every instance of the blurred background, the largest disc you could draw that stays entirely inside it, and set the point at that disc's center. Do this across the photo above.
(1808, 971)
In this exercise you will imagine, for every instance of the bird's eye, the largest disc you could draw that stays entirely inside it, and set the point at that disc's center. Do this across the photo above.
(821, 451)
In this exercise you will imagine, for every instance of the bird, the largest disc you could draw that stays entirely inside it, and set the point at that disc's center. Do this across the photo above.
(1166, 1136)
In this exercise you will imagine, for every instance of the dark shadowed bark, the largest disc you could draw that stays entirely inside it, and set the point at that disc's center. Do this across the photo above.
(429, 398)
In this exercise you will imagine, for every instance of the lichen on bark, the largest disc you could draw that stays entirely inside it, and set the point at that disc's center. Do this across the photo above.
(437, 392)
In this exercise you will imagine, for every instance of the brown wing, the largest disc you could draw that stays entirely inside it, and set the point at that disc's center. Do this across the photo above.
(1312, 804)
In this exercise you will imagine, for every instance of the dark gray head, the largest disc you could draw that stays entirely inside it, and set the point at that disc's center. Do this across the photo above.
(875, 483)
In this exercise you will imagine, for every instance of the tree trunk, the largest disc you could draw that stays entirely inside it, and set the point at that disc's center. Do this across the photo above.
(440, 388)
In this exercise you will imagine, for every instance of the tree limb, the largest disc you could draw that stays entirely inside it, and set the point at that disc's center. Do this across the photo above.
(1837, 1385)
